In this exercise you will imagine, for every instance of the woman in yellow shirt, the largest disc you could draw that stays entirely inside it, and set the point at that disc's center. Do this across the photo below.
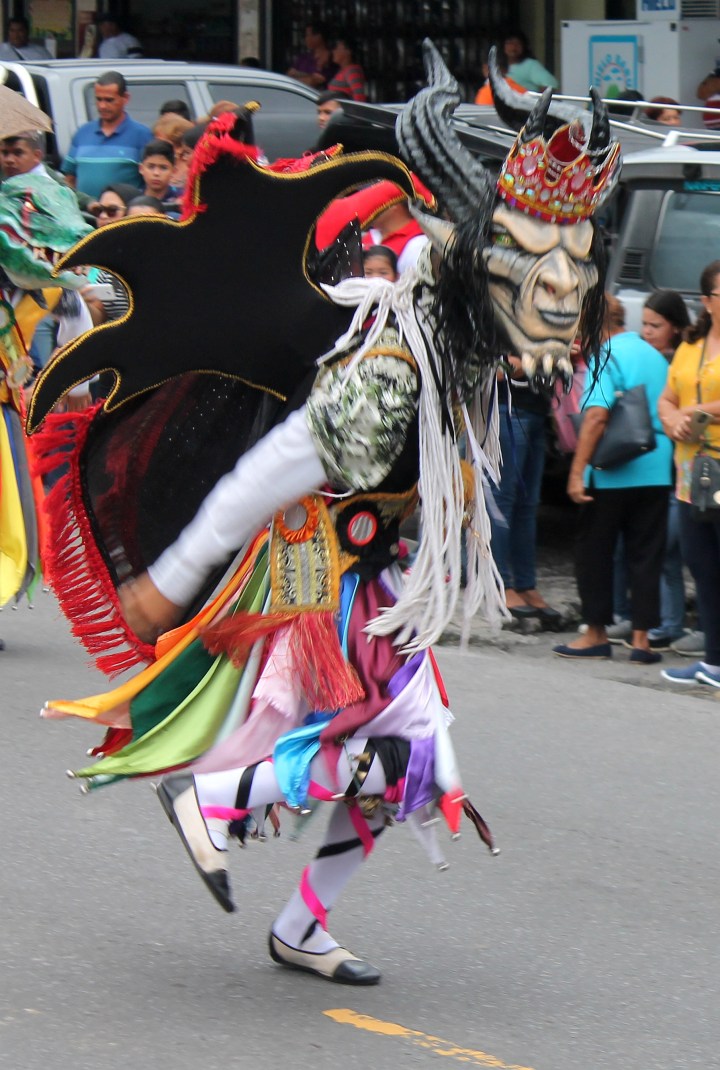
(694, 386)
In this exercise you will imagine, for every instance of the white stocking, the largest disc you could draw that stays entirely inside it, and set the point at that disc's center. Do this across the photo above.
(256, 785)
(339, 858)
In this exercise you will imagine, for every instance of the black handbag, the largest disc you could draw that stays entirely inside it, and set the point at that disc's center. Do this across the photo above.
(629, 431)
(705, 472)
(705, 486)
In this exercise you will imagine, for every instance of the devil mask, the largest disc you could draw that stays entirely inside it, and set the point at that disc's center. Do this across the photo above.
(530, 241)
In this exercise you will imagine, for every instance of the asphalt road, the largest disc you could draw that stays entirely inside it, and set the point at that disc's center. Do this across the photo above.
(590, 943)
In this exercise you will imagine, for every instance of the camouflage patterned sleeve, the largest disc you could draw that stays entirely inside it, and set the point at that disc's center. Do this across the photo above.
(359, 424)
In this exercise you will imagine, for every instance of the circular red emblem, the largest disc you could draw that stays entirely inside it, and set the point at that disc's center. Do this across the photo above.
(362, 529)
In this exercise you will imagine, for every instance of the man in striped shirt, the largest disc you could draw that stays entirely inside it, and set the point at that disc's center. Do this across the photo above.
(350, 78)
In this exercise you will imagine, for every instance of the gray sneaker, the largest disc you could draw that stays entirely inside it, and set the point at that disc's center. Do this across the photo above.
(617, 633)
(690, 645)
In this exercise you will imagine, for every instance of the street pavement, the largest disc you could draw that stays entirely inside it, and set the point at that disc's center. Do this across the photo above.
(591, 942)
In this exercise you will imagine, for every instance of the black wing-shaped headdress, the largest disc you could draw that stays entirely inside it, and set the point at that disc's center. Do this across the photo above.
(227, 291)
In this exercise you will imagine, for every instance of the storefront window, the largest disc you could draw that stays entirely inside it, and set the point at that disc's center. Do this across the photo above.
(180, 29)
(389, 35)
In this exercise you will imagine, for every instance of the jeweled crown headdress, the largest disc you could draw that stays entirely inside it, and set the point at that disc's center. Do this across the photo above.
(558, 170)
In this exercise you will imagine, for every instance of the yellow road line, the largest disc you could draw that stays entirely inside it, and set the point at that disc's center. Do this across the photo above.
(436, 1045)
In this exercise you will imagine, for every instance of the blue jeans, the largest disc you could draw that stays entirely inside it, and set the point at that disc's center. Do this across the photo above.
(44, 342)
(513, 542)
(701, 550)
(672, 584)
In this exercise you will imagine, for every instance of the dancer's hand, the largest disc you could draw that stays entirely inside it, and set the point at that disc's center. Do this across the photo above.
(148, 612)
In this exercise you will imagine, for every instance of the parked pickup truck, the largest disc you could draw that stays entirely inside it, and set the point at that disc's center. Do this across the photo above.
(286, 124)
(669, 227)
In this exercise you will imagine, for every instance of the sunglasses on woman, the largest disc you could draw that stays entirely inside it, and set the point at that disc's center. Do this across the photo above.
(110, 210)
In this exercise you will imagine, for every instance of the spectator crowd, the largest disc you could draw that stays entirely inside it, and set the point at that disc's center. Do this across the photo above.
(638, 529)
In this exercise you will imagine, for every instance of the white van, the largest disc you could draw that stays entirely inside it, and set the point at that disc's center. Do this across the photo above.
(669, 226)
(286, 124)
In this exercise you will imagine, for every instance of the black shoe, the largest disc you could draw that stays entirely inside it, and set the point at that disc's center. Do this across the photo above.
(338, 965)
(179, 801)
(600, 652)
(2, 644)
(550, 619)
(661, 643)
(645, 657)
(523, 612)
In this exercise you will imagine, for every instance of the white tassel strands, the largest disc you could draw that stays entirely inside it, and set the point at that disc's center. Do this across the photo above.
(430, 595)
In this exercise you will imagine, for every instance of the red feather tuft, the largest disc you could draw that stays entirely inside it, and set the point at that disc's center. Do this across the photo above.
(216, 141)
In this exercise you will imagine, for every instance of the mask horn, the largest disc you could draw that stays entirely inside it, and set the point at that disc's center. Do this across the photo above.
(599, 139)
(440, 232)
(516, 108)
(430, 145)
(535, 125)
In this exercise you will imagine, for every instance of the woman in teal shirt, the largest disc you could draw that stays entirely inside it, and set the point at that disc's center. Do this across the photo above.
(630, 499)
(523, 68)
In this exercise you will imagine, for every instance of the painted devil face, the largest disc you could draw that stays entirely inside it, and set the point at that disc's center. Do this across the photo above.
(539, 274)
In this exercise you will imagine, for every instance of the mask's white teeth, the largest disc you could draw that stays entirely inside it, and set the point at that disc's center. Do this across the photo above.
(548, 365)
(529, 365)
(565, 366)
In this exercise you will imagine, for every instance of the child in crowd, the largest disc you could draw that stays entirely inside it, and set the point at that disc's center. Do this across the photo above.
(156, 171)
(380, 262)
(146, 204)
(171, 127)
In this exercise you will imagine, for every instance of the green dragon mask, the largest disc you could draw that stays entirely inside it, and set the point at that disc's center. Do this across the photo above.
(39, 222)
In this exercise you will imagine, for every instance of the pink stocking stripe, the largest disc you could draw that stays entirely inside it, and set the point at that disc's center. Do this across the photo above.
(311, 900)
(317, 791)
(362, 828)
(394, 793)
(224, 813)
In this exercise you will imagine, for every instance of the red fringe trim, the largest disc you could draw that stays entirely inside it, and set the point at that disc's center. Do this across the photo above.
(235, 636)
(74, 566)
(287, 165)
(326, 679)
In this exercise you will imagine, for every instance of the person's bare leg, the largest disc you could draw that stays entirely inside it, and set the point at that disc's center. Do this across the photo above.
(513, 600)
(534, 598)
(640, 639)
